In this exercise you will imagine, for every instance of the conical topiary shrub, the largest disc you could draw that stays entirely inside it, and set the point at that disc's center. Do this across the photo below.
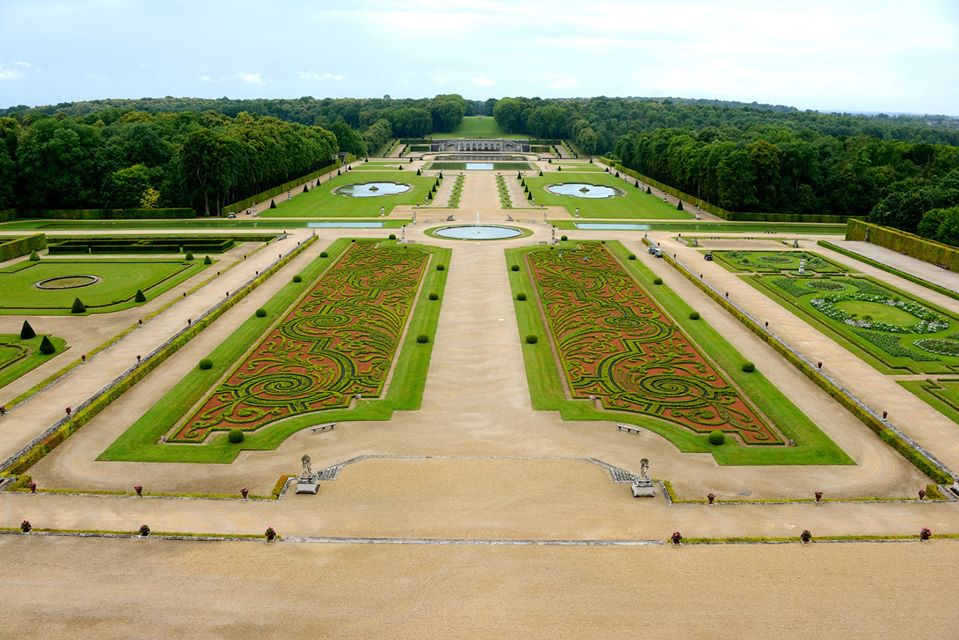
(34, 257)
(78, 306)
(679, 205)
(139, 297)
(46, 346)
(207, 260)
(273, 204)
(649, 190)
(27, 332)
(189, 256)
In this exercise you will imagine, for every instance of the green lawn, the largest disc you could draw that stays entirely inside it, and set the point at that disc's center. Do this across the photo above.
(634, 203)
(713, 226)
(18, 357)
(812, 446)
(461, 166)
(321, 202)
(891, 330)
(141, 442)
(478, 127)
(775, 261)
(942, 394)
(117, 284)
(578, 167)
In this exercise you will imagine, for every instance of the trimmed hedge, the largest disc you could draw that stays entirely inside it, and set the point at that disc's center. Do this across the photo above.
(917, 458)
(907, 243)
(11, 248)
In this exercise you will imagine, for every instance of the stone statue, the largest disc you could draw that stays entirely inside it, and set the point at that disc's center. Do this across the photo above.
(644, 469)
(307, 469)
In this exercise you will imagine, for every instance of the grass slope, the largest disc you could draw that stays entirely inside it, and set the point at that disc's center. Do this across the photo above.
(405, 392)
(321, 202)
(478, 127)
(634, 204)
(546, 389)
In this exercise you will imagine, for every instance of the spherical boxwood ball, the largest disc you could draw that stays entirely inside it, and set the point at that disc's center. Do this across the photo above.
(206, 363)
(658, 281)
(521, 296)
(440, 267)
(717, 437)
(422, 338)
(694, 315)
(515, 267)
(632, 256)
(434, 296)
(531, 339)
(297, 278)
(324, 254)
(749, 367)
(235, 436)
(261, 313)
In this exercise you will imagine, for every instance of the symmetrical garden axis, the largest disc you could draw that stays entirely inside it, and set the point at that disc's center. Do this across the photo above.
(337, 344)
(617, 345)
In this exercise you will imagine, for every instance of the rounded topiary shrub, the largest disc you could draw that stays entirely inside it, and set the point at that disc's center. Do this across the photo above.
(422, 338)
(434, 296)
(694, 315)
(515, 267)
(632, 256)
(717, 437)
(324, 254)
(521, 296)
(235, 436)
(206, 363)
(531, 339)
(392, 236)
(748, 367)
(440, 267)
(563, 238)
(139, 297)
(261, 313)
(297, 278)
(657, 281)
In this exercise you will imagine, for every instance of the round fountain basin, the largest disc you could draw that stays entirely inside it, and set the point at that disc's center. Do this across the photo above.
(372, 189)
(581, 190)
(478, 232)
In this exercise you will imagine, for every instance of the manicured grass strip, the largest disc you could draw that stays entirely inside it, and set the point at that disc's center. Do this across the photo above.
(478, 127)
(52, 437)
(322, 202)
(18, 357)
(462, 166)
(114, 284)
(896, 272)
(717, 227)
(547, 392)
(225, 224)
(942, 395)
(889, 338)
(404, 391)
(634, 203)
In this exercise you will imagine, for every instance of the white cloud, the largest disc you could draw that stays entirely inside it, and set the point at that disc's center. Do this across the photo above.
(563, 83)
(21, 63)
(253, 78)
(206, 78)
(326, 75)
(483, 81)
(10, 74)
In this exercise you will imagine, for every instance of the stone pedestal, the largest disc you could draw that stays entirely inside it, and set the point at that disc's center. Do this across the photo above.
(643, 488)
(308, 483)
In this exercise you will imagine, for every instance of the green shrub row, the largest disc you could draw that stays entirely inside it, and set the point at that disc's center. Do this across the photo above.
(896, 272)
(108, 214)
(907, 243)
(7, 214)
(83, 416)
(21, 246)
(917, 458)
(246, 203)
(676, 193)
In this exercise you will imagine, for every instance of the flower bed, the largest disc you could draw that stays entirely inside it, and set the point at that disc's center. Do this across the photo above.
(618, 347)
(337, 344)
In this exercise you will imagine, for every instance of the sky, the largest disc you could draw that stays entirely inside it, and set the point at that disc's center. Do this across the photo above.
(844, 55)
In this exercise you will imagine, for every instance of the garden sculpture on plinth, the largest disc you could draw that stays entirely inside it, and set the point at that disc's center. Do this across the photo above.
(643, 486)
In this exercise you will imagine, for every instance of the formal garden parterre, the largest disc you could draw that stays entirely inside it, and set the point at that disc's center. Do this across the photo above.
(891, 330)
(327, 359)
(322, 200)
(942, 394)
(619, 346)
(633, 203)
(19, 356)
(776, 261)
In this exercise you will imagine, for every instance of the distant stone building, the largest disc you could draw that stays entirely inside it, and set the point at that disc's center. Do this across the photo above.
(494, 144)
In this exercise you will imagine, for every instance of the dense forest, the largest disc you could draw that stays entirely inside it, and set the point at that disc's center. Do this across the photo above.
(181, 153)
(897, 170)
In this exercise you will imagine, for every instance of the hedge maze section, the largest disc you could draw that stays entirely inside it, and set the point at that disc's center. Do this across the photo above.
(336, 345)
(617, 346)
(887, 328)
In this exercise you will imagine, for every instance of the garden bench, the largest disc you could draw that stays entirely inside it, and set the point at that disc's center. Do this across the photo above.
(628, 429)
(324, 427)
